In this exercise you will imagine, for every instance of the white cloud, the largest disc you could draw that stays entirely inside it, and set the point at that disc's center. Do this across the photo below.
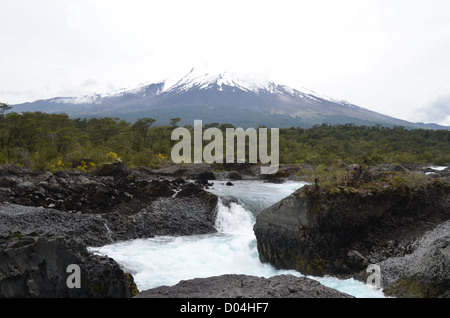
(388, 56)
(437, 108)
(73, 20)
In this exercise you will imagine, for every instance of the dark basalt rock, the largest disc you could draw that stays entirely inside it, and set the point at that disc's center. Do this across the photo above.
(195, 171)
(234, 175)
(243, 286)
(161, 216)
(62, 213)
(121, 204)
(158, 188)
(191, 189)
(11, 170)
(338, 231)
(118, 170)
(423, 273)
(34, 265)
(115, 189)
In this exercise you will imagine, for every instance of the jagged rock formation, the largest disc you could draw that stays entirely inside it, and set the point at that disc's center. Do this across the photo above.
(47, 220)
(35, 265)
(423, 273)
(340, 229)
(244, 286)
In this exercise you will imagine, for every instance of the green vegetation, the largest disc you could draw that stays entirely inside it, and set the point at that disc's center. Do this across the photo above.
(364, 145)
(339, 179)
(53, 142)
(132, 285)
(324, 176)
(411, 288)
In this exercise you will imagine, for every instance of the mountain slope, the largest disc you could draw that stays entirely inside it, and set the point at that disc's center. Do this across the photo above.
(218, 97)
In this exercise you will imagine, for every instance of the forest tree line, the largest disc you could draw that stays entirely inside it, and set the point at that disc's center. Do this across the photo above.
(41, 141)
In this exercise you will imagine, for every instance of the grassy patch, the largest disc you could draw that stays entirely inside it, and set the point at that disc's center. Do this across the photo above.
(336, 180)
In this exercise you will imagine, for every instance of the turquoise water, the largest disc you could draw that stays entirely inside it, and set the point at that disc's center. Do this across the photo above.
(167, 260)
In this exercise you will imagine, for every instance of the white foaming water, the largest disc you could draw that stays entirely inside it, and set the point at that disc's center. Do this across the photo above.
(167, 260)
(438, 168)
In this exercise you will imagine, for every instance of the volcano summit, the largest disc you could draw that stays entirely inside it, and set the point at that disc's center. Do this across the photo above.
(221, 97)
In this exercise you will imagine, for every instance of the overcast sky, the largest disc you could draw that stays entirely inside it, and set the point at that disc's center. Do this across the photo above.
(390, 56)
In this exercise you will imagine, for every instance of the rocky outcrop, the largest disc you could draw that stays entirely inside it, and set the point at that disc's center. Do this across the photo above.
(196, 171)
(111, 204)
(341, 229)
(423, 273)
(243, 286)
(193, 215)
(162, 216)
(36, 265)
(32, 265)
(438, 173)
(89, 229)
(111, 188)
(118, 170)
(47, 220)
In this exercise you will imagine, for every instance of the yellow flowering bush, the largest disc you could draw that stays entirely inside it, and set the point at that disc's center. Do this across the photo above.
(112, 155)
(58, 165)
(161, 157)
(85, 166)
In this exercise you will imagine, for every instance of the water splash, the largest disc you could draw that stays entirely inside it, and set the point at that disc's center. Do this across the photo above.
(167, 260)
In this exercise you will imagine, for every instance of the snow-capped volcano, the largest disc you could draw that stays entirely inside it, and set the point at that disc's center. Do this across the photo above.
(204, 79)
(222, 97)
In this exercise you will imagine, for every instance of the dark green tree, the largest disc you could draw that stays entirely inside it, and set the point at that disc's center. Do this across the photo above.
(174, 121)
(3, 109)
(140, 131)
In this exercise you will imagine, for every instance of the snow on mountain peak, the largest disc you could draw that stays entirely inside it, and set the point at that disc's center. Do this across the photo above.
(204, 79)
(217, 78)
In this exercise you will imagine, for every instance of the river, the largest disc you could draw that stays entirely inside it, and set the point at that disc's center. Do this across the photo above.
(166, 260)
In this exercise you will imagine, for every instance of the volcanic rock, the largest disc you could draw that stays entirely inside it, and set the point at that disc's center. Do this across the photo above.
(243, 286)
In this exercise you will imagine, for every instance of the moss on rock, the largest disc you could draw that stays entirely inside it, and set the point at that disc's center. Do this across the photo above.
(410, 288)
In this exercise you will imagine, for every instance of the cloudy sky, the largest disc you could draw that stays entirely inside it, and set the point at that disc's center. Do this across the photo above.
(390, 56)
